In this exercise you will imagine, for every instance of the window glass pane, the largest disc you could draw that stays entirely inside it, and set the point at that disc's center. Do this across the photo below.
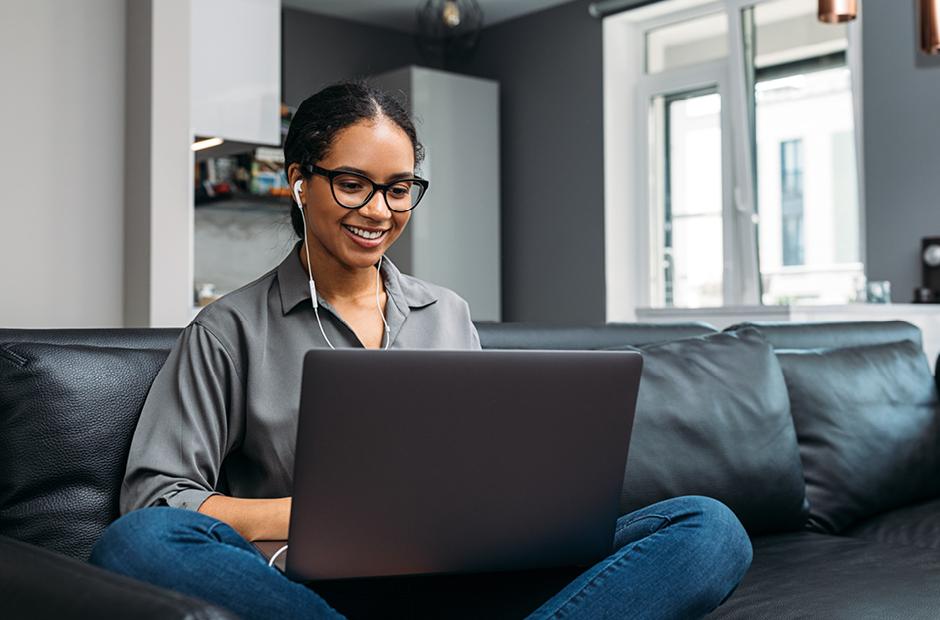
(688, 259)
(806, 169)
(687, 43)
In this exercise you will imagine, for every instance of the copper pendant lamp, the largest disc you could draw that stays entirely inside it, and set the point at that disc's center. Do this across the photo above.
(837, 11)
(930, 26)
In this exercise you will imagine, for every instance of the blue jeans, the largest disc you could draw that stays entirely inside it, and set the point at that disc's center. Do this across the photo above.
(679, 558)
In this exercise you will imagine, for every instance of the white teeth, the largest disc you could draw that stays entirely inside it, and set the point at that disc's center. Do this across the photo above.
(365, 234)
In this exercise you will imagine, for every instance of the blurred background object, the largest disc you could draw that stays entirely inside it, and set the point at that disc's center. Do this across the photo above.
(448, 30)
(929, 17)
(837, 11)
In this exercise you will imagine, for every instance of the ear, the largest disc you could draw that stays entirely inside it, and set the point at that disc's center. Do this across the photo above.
(294, 174)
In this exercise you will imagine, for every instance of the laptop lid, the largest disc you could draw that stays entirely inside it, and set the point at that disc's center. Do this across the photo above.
(418, 462)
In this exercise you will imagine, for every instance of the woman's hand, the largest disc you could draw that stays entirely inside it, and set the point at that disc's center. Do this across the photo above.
(254, 519)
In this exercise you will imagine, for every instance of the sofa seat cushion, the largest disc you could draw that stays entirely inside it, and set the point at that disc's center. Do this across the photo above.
(713, 419)
(67, 415)
(869, 429)
(917, 525)
(812, 575)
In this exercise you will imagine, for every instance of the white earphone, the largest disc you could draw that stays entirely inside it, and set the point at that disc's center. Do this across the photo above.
(313, 287)
(297, 193)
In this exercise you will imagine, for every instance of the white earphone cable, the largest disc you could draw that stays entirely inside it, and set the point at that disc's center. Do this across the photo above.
(313, 287)
(276, 555)
(378, 304)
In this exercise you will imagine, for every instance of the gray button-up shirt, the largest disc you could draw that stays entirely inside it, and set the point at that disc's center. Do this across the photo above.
(221, 416)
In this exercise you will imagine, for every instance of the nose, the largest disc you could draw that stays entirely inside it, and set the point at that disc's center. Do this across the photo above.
(377, 207)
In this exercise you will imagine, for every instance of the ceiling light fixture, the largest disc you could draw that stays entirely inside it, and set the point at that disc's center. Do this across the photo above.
(448, 30)
(451, 14)
(208, 143)
(837, 11)
(930, 26)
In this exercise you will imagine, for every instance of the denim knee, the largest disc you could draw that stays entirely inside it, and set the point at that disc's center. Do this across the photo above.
(723, 536)
(137, 537)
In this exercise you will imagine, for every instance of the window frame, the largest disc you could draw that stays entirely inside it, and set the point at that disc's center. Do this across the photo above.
(710, 75)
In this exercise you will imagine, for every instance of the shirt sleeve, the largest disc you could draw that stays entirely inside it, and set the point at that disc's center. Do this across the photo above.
(191, 419)
(474, 337)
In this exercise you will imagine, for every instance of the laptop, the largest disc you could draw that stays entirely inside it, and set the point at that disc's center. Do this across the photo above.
(426, 462)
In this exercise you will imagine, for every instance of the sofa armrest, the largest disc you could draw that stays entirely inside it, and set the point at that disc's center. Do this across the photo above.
(38, 583)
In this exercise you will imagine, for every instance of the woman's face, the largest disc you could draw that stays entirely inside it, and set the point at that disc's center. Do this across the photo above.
(382, 151)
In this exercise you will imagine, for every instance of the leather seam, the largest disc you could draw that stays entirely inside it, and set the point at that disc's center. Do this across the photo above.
(12, 356)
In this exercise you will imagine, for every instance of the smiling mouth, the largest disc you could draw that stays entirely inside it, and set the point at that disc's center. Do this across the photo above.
(365, 234)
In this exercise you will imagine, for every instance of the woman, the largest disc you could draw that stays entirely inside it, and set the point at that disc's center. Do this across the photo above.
(211, 462)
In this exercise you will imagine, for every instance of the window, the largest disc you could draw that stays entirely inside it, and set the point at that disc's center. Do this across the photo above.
(749, 165)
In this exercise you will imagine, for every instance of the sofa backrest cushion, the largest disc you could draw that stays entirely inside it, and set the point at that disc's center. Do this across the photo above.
(713, 418)
(67, 415)
(868, 424)
(832, 334)
(126, 338)
(583, 337)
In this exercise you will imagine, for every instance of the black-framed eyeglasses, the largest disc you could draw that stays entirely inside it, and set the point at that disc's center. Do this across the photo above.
(353, 190)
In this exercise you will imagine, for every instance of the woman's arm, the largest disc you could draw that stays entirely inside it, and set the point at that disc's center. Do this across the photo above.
(254, 519)
(192, 418)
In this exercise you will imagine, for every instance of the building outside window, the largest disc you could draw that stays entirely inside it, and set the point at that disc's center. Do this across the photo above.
(791, 201)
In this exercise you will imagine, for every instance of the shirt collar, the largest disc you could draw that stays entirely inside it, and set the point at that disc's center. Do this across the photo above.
(404, 290)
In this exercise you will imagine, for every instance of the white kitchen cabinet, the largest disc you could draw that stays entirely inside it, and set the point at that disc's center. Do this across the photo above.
(235, 79)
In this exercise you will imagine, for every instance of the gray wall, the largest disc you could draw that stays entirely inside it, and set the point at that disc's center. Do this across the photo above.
(62, 163)
(902, 139)
(549, 67)
(318, 50)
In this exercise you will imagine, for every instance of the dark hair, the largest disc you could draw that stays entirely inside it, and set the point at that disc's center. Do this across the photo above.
(321, 116)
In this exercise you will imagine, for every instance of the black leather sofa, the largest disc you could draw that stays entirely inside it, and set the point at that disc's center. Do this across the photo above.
(823, 438)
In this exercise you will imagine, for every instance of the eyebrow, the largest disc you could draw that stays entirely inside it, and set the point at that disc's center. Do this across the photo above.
(397, 175)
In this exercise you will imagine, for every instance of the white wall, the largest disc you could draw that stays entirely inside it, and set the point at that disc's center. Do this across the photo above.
(61, 163)
(169, 204)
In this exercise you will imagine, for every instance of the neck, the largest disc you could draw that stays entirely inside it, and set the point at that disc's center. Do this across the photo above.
(336, 281)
